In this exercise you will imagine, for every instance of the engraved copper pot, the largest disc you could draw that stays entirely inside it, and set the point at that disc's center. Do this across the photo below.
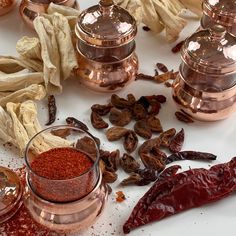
(29, 9)
(6, 6)
(205, 87)
(106, 47)
(221, 12)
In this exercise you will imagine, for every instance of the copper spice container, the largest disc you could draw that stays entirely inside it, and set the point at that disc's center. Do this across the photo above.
(30, 9)
(6, 6)
(221, 12)
(205, 87)
(106, 47)
(74, 203)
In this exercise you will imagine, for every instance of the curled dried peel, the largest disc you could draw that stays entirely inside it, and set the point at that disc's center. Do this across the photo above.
(43, 142)
(50, 54)
(19, 80)
(34, 92)
(20, 133)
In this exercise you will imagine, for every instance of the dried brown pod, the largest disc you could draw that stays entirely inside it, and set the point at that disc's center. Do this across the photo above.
(177, 47)
(142, 129)
(97, 121)
(109, 177)
(101, 110)
(122, 103)
(174, 75)
(153, 161)
(148, 145)
(87, 145)
(148, 174)
(154, 109)
(183, 117)
(177, 142)
(158, 98)
(130, 141)
(116, 133)
(128, 163)
(120, 117)
(167, 136)
(163, 68)
(154, 124)
(134, 178)
(111, 160)
(77, 123)
(138, 111)
(52, 109)
(63, 133)
(109, 189)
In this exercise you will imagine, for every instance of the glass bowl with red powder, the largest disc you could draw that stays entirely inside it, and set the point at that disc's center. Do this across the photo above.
(65, 191)
(62, 170)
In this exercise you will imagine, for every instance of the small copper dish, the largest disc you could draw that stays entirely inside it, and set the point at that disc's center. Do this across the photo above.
(106, 47)
(6, 6)
(205, 87)
(29, 9)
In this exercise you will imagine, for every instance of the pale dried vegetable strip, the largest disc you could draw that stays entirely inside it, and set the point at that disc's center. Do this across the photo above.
(32, 92)
(6, 128)
(19, 80)
(44, 142)
(50, 54)
(21, 135)
(66, 50)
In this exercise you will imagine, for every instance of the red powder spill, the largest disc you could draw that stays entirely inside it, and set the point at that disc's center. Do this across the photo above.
(61, 163)
(22, 224)
(120, 196)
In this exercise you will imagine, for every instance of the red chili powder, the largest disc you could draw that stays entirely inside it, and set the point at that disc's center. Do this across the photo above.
(61, 163)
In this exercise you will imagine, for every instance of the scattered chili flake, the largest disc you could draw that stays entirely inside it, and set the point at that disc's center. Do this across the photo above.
(120, 196)
(177, 47)
(146, 28)
(162, 67)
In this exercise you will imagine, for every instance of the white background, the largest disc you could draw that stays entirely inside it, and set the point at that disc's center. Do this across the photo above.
(218, 137)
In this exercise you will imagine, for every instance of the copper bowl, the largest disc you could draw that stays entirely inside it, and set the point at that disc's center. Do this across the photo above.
(109, 75)
(30, 9)
(202, 105)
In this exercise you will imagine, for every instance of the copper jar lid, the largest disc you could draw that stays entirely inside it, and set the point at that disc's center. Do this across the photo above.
(11, 192)
(221, 11)
(106, 25)
(211, 51)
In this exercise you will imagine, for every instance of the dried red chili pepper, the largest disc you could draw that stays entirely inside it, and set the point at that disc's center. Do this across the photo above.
(166, 137)
(177, 47)
(183, 191)
(52, 109)
(77, 123)
(162, 67)
(177, 142)
(168, 172)
(190, 155)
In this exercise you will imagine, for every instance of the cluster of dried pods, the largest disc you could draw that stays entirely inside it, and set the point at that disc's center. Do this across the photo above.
(144, 112)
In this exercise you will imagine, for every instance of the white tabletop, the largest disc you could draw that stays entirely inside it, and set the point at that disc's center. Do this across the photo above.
(218, 137)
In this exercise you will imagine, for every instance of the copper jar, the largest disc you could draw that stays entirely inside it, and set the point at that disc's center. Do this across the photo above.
(221, 12)
(106, 47)
(205, 87)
